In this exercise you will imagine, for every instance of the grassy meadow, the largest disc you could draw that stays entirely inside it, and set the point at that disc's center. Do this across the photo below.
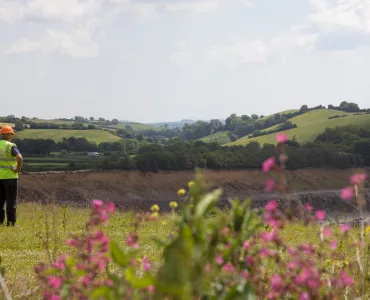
(42, 231)
(218, 137)
(310, 125)
(57, 135)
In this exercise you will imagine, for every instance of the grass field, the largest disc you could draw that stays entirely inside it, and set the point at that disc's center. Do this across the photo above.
(310, 125)
(9, 124)
(24, 246)
(97, 136)
(29, 243)
(281, 113)
(218, 137)
(136, 126)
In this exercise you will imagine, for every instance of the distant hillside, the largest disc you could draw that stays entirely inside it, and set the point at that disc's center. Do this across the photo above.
(57, 135)
(178, 124)
(221, 138)
(310, 125)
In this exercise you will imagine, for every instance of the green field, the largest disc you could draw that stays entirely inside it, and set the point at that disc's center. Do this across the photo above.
(310, 125)
(97, 136)
(281, 113)
(29, 243)
(136, 126)
(9, 124)
(218, 137)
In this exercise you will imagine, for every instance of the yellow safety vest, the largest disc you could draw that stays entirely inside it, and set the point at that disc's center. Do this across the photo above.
(7, 161)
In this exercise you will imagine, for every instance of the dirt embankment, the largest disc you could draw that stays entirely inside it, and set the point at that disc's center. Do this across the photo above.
(136, 190)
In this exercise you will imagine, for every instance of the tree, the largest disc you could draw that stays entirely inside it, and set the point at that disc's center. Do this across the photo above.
(254, 117)
(92, 119)
(18, 125)
(303, 108)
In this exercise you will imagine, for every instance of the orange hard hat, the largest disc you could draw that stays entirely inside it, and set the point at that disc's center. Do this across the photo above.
(6, 129)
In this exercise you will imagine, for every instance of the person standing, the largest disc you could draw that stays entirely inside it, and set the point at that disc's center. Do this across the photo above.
(11, 162)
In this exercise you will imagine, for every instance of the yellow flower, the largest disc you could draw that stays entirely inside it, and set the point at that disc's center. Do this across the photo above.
(164, 223)
(155, 214)
(367, 230)
(173, 204)
(155, 208)
(190, 184)
(181, 192)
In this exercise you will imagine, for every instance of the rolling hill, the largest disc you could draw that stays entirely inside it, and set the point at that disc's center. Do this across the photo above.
(310, 125)
(97, 136)
(218, 137)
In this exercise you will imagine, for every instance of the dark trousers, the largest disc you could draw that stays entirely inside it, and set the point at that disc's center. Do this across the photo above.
(8, 196)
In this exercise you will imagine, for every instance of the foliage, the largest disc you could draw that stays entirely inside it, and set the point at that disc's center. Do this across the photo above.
(218, 254)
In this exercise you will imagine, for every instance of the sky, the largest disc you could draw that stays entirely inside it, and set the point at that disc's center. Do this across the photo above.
(167, 60)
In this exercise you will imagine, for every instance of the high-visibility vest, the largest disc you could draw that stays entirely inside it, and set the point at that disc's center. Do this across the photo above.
(7, 161)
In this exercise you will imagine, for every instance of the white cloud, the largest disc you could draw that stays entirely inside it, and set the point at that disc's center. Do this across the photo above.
(90, 15)
(182, 56)
(238, 52)
(76, 44)
(340, 14)
(328, 17)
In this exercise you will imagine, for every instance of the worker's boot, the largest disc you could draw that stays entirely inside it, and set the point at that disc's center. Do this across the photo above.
(10, 224)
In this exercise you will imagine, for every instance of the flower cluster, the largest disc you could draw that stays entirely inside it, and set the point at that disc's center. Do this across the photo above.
(83, 271)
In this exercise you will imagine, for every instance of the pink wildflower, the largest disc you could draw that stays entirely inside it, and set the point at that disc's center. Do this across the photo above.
(86, 280)
(54, 297)
(150, 288)
(97, 203)
(345, 227)
(346, 193)
(308, 207)
(131, 241)
(249, 261)
(268, 164)
(304, 296)
(146, 264)
(358, 178)
(265, 252)
(320, 215)
(246, 245)
(244, 274)
(333, 244)
(219, 260)
(276, 282)
(281, 138)
(228, 268)
(110, 207)
(347, 280)
(307, 248)
(71, 243)
(108, 282)
(269, 185)
(327, 232)
(271, 206)
(55, 282)
(268, 236)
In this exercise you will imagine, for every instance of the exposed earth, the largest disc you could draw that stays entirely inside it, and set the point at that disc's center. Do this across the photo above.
(137, 190)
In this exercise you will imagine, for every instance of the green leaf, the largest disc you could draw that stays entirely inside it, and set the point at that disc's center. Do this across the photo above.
(101, 292)
(174, 275)
(138, 282)
(158, 241)
(118, 255)
(207, 202)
